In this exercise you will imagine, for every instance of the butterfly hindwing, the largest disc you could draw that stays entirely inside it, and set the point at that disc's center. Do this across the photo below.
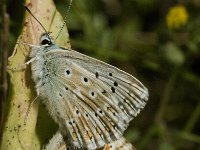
(95, 101)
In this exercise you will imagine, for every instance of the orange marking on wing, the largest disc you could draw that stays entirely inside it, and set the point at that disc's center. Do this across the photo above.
(107, 147)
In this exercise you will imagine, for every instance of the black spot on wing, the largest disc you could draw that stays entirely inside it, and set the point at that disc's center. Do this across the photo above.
(67, 72)
(113, 89)
(115, 83)
(96, 74)
(86, 79)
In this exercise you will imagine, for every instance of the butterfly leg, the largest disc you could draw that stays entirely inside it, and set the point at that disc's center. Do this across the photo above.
(29, 108)
(21, 66)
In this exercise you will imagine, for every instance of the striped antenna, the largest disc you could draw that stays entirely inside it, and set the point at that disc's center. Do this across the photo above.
(35, 18)
(65, 19)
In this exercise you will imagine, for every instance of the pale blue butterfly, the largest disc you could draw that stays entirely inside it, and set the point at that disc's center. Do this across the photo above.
(91, 101)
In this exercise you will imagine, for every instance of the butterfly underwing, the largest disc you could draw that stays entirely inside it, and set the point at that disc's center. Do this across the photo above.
(59, 143)
(91, 101)
(121, 144)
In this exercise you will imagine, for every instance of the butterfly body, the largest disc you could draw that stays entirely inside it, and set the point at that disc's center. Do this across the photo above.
(91, 101)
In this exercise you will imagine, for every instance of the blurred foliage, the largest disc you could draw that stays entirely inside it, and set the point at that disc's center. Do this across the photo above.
(135, 36)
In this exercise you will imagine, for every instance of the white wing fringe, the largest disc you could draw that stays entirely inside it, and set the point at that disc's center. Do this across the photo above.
(121, 144)
(57, 143)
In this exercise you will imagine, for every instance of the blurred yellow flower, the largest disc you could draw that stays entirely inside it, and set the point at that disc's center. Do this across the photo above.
(177, 16)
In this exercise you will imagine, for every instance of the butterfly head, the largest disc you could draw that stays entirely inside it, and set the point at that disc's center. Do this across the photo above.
(46, 40)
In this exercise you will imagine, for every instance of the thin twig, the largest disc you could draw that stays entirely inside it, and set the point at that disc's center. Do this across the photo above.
(166, 97)
(190, 137)
(4, 58)
(193, 119)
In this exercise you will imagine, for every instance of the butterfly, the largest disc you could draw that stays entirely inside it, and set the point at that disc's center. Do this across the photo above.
(91, 101)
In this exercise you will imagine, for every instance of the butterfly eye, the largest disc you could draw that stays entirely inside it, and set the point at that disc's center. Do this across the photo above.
(46, 42)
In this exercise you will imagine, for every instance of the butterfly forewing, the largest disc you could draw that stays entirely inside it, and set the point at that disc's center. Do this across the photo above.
(93, 102)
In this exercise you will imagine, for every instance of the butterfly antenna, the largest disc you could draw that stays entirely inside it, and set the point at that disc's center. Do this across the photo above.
(65, 19)
(29, 109)
(35, 18)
